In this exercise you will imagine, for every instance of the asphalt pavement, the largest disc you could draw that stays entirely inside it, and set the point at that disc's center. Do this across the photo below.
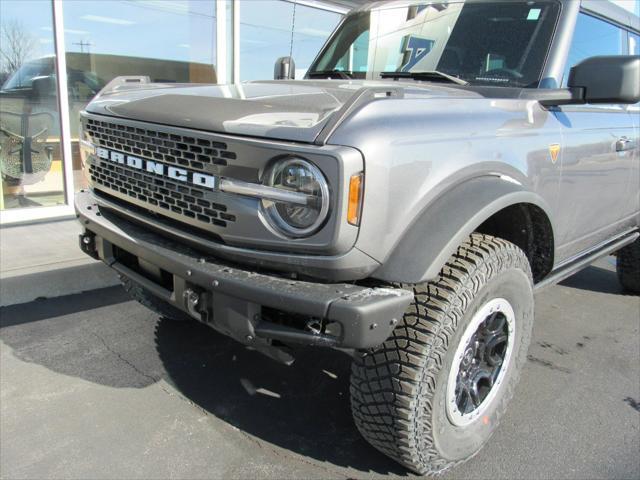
(93, 385)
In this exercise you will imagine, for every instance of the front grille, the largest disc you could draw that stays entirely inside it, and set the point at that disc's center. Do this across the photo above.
(188, 203)
(182, 150)
(181, 199)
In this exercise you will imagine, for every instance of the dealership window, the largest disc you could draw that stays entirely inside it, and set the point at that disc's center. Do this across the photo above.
(94, 41)
(167, 41)
(311, 29)
(30, 152)
(266, 34)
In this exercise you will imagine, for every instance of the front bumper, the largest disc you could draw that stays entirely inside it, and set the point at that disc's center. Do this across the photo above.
(233, 300)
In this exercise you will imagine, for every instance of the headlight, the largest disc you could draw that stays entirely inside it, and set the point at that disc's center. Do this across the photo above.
(308, 207)
(85, 146)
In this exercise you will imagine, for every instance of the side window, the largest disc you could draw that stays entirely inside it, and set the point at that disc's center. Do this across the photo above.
(356, 58)
(594, 37)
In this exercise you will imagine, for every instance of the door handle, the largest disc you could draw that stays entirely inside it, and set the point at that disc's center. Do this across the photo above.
(623, 144)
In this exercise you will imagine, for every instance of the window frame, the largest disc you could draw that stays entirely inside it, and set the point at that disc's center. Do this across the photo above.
(567, 68)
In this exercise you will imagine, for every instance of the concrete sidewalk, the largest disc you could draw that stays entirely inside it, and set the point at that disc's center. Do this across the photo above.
(44, 260)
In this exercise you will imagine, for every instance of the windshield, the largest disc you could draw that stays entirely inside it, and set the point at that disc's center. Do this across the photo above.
(23, 77)
(488, 43)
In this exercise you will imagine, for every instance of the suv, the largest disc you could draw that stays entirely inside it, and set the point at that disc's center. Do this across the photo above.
(439, 163)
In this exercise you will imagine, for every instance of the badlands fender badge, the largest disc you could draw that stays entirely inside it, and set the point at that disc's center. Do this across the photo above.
(554, 150)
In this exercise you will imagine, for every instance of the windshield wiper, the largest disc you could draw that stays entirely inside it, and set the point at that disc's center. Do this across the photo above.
(330, 74)
(432, 75)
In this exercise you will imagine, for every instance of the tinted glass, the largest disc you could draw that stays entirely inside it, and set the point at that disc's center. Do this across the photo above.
(166, 41)
(30, 150)
(489, 43)
(594, 37)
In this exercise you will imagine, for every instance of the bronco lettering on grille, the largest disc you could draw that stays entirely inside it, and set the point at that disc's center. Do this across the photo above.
(176, 173)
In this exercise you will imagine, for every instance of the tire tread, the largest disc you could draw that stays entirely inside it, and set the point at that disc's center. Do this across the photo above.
(392, 386)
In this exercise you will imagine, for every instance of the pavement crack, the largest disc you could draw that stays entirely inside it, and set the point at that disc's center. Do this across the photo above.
(124, 360)
(547, 364)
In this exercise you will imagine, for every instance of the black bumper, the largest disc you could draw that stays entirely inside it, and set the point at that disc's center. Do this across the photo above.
(232, 299)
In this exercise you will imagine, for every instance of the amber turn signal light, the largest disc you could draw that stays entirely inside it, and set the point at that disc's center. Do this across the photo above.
(356, 184)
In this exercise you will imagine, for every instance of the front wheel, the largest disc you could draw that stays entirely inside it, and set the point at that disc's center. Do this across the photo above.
(434, 392)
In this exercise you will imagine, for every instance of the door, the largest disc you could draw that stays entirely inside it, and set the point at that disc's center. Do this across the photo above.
(596, 163)
(634, 111)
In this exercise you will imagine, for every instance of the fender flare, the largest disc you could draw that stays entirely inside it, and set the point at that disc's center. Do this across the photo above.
(447, 222)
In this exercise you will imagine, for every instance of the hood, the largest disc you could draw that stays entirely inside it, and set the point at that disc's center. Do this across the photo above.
(283, 110)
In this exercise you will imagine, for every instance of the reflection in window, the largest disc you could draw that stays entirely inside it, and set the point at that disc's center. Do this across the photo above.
(594, 37)
(312, 27)
(166, 41)
(30, 150)
(634, 44)
(265, 35)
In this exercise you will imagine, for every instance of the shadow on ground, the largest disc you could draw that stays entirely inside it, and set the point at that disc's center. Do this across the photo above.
(104, 338)
(595, 279)
(303, 408)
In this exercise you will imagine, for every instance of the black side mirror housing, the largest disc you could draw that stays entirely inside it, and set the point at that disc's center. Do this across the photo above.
(43, 87)
(285, 69)
(604, 79)
(608, 79)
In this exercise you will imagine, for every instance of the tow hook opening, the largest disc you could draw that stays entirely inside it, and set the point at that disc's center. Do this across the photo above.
(88, 244)
(195, 305)
(289, 327)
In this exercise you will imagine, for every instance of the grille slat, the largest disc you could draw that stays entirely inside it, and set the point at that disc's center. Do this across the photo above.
(161, 194)
(180, 150)
(178, 199)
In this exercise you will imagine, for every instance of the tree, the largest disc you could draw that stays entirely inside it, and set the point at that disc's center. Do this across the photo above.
(16, 45)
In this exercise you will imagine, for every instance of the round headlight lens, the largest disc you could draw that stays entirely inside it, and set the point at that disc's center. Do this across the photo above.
(296, 218)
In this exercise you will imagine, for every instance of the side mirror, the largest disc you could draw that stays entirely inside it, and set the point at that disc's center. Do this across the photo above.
(285, 69)
(42, 87)
(608, 79)
(605, 79)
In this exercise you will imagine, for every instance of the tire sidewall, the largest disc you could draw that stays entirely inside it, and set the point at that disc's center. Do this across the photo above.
(458, 443)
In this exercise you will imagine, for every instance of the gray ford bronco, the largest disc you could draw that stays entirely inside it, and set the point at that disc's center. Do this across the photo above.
(438, 164)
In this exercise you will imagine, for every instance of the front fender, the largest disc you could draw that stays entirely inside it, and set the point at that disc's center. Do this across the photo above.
(447, 222)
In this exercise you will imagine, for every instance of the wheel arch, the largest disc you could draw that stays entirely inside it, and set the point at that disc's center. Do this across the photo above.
(492, 205)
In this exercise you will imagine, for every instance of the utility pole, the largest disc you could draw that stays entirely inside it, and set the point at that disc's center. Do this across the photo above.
(83, 44)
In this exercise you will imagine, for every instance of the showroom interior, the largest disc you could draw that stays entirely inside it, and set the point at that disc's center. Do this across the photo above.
(94, 41)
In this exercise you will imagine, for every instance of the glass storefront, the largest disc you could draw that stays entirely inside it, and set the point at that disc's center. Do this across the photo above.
(169, 41)
(30, 149)
(311, 29)
(265, 35)
(166, 41)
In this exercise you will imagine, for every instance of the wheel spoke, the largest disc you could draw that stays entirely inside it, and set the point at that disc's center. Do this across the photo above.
(494, 323)
(493, 354)
(462, 397)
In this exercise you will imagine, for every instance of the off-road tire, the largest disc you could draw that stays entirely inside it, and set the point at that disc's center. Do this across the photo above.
(152, 302)
(398, 389)
(628, 266)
